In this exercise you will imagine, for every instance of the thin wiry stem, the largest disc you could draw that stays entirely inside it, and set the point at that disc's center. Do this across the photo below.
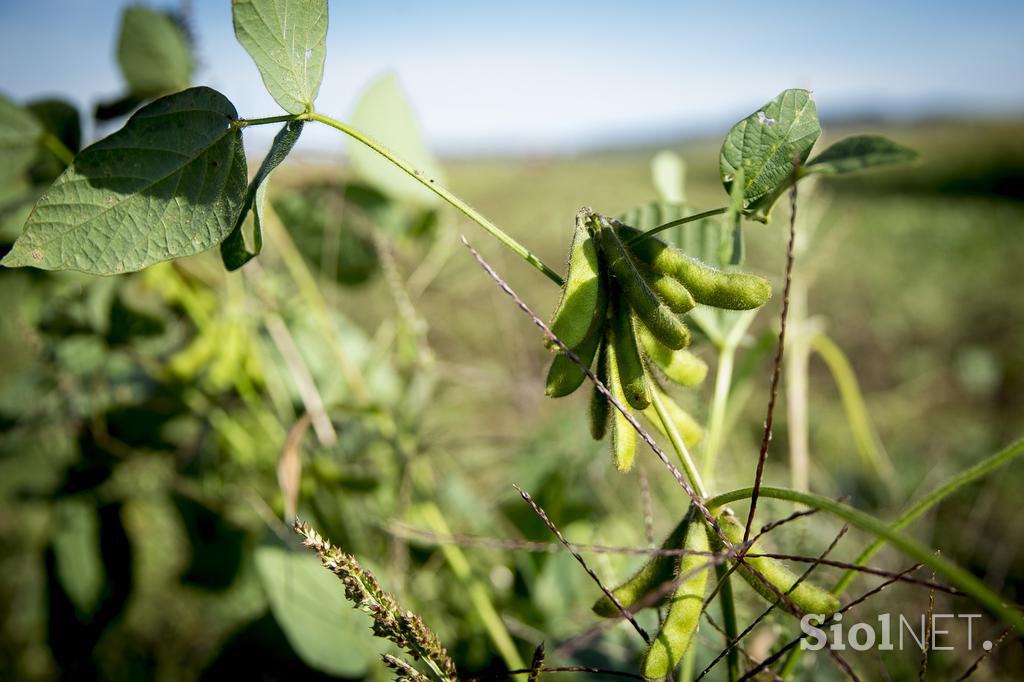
(959, 577)
(582, 562)
(753, 672)
(746, 631)
(869, 570)
(977, 662)
(766, 438)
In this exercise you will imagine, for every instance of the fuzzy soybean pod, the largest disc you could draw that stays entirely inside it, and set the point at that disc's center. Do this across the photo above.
(632, 373)
(681, 366)
(623, 433)
(564, 375)
(689, 428)
(584, 294)
(600, 408)
(659, 570)
(670, 290)
(807, 597)
(708, 285)
(650, 310)
(685, 608)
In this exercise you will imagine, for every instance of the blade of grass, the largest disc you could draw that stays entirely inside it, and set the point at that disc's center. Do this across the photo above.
(869, 445)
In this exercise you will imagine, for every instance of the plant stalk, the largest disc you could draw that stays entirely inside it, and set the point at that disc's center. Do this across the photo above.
(442, 192)
(680, 447)
(960, 578)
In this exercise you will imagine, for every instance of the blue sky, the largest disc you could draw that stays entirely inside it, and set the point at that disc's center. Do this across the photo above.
(535, 76)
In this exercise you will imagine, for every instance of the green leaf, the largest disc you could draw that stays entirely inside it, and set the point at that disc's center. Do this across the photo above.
(19, 132)
(233, 249)
(169, 184)
(856, 153)
(288, 41)
(153, 53)
(765, 145)
(384, 113)
(309, 604)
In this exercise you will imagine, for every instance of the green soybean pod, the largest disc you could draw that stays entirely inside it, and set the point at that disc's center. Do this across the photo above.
(657, 571)
(564, 375)
(689, 428)
(807, 597)
(600, 408)
(584, 293)
(683, 615)
(708, 285)
(655, 315)
(632, 373)
(623, 433)
(681, 366)
(670, 290)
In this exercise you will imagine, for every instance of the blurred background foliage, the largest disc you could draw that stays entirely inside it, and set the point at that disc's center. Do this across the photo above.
(158, 429)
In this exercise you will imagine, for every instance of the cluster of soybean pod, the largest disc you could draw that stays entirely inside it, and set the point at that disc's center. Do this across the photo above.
(621, 307)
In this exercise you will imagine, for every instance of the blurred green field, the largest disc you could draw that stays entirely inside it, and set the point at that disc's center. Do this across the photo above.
(916, 278)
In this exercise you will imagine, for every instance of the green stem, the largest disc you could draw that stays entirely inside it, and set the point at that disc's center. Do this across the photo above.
(57, 148)
(732, 658)
(960, 578)
(677, 442)
(723, 386)
(681, 221)
(440, 191)
(961, 480)
(243, 122)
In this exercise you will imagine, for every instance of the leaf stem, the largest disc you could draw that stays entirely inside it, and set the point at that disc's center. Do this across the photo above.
(729, 620)
(956, 575)
(681, 221)
(57, 148)
(723, 390)
(437, 189)
(244, 122)
(677, 442)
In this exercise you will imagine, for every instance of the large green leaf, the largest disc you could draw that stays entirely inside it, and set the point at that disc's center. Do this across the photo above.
(169, 184)
(19, 132)
(856, 153)
(288, 41)
(767, 143)
(153, 53)
(384, 113)
(308, 602)
(233, 249)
